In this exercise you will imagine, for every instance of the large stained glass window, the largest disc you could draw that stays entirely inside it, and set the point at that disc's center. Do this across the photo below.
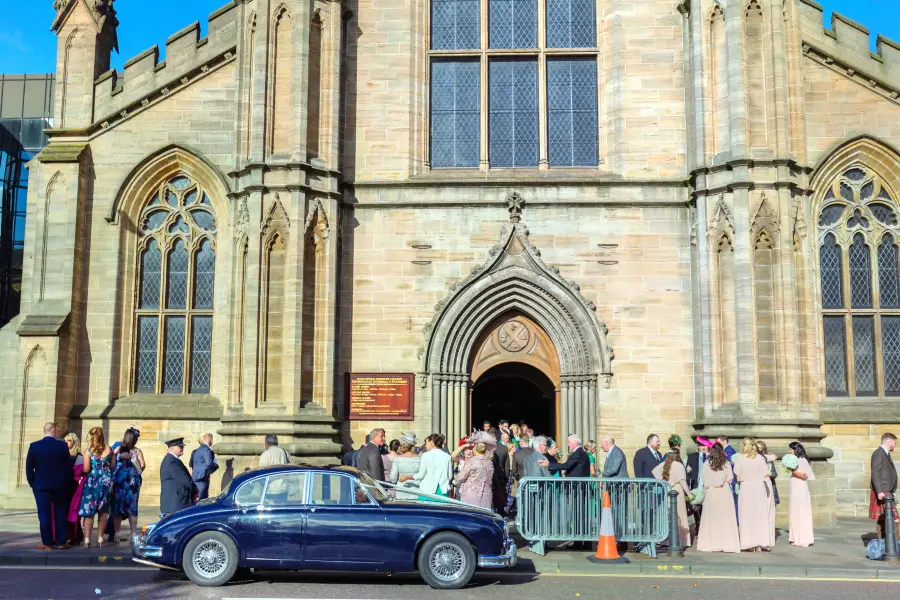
(176, 261)
(455, 113)
(513, 84)
(513, 112)
(860, 286)
(455, 24)
(572, 111)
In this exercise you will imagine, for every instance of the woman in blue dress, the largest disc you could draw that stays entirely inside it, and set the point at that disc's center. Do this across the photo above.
(127, 480)
(97, 494)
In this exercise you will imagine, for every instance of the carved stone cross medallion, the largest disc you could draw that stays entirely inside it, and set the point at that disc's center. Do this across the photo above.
(513, 336)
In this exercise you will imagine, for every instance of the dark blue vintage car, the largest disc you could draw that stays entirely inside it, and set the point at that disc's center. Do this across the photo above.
(338, 519)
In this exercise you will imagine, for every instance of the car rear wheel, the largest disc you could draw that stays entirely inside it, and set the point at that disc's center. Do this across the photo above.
(447, 561)
(210, 559)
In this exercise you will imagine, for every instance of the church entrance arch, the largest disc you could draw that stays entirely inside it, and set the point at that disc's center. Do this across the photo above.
(515, 375)
(515, 286)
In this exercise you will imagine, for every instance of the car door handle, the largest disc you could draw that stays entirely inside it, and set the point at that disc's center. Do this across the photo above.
(312, 510)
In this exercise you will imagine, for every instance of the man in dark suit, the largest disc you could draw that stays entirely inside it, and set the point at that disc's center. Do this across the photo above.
(518, 462)
(577, 464)
(48, 468)
(501, 477)
(370, 456)
(178, 488)
(203, 465)
(884, 482)
(615, 465)
(695, 463)
(646, 459)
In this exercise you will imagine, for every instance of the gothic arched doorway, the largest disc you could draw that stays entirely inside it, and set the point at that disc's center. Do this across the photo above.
(514, 283)
(515, 375)
(518, 393)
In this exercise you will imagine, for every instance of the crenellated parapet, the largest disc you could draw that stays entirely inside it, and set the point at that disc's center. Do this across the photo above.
(845, 49)
(146, 79)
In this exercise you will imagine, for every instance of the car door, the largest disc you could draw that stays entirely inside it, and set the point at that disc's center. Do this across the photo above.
(344, 527)
(246, 520)
(282, 521)
(271, 520)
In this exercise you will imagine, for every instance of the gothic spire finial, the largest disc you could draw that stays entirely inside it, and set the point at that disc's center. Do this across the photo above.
(514, 203)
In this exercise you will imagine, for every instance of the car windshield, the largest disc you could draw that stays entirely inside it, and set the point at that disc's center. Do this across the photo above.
(373, 488)
(224, 492)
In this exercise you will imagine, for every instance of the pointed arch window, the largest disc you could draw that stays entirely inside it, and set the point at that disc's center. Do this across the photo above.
(860, 285)
(174, 305)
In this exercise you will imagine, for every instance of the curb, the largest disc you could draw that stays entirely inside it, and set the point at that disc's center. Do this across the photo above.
(573, 566)
(527, 564)
(59, 558)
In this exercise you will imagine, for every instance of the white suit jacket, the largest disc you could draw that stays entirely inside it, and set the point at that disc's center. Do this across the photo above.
(435, 472)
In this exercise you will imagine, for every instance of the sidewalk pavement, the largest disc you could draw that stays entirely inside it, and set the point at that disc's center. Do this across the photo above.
(839, 552)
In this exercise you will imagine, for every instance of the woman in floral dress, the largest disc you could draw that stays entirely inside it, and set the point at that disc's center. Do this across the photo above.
(476, 477)
(97, 493)
(127, 480)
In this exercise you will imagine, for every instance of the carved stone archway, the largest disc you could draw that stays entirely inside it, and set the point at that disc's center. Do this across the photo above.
(515, 338)
(515, 279)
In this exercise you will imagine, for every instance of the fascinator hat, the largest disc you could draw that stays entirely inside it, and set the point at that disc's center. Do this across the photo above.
(674, 440)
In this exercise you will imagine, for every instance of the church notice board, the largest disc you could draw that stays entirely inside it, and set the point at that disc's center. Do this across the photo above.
(380, 396)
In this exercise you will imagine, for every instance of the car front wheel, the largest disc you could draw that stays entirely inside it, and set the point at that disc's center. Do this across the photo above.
(447, 561)
(210, 559)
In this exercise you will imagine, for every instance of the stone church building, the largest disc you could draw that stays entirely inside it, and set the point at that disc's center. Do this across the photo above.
(599, 216)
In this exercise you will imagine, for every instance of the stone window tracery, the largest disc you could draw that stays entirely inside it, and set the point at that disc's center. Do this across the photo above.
(174, 305)
(858, 267)
(515, 89)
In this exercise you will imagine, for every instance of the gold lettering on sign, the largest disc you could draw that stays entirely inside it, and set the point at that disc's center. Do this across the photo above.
(380, 396)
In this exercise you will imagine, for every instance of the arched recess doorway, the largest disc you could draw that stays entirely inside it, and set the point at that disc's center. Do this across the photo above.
(518, 393)
(515, 281)
(515, 375)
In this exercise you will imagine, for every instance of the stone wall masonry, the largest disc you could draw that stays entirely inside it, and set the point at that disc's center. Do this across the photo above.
(862, 112)
(845, 49)
(199, 118)
(643, 119)
(644, 299)
(186, 53)
(853, 445)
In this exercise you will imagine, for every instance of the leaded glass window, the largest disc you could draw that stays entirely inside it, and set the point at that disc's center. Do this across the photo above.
(858, 233)
(513, 84)
(513, 113)
(513, 23)
(175, 298)
(572, 111)
(571, 24)
(455, 113)
(455, 24)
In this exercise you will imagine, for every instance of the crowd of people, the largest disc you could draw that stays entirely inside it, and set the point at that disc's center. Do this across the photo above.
(730, 493)
(482, 469)
(74, 487)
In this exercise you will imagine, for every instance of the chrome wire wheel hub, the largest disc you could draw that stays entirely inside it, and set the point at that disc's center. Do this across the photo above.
(447, 562)
(210, 559)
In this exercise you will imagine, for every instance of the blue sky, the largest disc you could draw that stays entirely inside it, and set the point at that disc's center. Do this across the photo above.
(28, 46)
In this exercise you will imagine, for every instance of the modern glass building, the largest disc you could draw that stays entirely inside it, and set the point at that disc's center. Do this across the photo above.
(26, 109)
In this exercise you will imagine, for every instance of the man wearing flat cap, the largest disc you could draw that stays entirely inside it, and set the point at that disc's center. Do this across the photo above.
(177, 486)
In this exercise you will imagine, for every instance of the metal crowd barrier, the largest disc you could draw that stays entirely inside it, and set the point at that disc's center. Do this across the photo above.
(568, 509)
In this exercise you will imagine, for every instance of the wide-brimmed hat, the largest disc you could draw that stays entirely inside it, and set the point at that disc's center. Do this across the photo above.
(409, 438)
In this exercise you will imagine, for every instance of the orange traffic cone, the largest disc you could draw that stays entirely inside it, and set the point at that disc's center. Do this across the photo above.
(606, 546)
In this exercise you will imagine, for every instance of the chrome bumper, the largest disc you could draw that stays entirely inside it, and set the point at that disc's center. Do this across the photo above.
(140, 550)
(507, 560)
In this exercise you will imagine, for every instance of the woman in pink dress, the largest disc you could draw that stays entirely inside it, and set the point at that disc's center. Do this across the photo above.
(718, 527)
(476, 478)
(801, 505)
(672, 471)
(755, 523)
